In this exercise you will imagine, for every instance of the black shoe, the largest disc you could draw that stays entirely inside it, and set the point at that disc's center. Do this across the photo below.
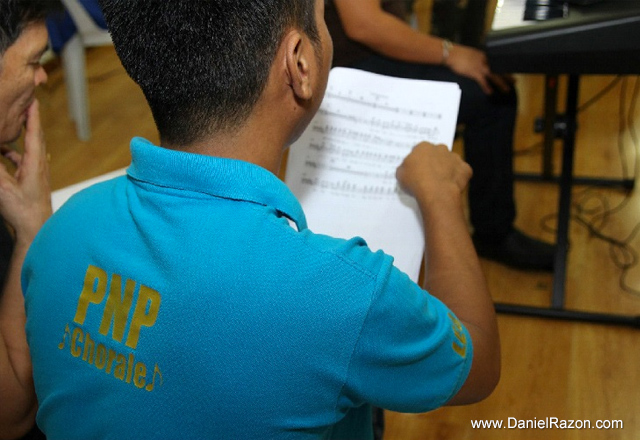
(519, 251)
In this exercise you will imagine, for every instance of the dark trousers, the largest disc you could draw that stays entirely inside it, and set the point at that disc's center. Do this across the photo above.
(489, 122)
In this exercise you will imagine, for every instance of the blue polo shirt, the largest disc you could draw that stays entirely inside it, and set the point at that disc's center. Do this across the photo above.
(188, 299)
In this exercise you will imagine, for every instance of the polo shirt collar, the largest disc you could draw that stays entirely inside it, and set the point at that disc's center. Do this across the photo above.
(215, 176)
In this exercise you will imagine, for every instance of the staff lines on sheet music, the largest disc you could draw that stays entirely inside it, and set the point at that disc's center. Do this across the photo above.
(356, 154)
(347, 188)
(397, 126)
(372, 174)
(343, 133)
(382, 106)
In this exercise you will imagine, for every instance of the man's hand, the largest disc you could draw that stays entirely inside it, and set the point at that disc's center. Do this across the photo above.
(25, 196)
(472, 63)
(431, 172)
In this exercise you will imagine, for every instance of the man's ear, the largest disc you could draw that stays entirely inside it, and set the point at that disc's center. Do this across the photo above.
(298, 56)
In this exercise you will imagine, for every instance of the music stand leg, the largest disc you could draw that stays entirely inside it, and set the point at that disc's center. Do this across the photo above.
(566, 180)
(550, 117)
(564, 204)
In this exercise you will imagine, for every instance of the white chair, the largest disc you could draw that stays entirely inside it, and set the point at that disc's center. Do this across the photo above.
(89, 34)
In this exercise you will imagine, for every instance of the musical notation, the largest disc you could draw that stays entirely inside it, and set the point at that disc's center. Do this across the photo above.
(392, 129)
(336, 151)
(380, 103)
(347, 158)
(368, 147)
(350, 188)
(382, 175)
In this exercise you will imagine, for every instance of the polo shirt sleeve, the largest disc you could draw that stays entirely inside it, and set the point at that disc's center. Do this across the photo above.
(413, 354)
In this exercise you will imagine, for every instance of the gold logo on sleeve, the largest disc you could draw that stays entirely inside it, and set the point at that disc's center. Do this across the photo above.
(460, 344)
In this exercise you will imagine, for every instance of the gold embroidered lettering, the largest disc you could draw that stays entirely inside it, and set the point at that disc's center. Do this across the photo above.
(145, 314)
(117, 307)
(156, 371)
(95, 287)
(129, 368)
(77, 336)
(101, 356)
(67, 331)
(120, 367)
(140, 376)
(459, 346)
(89, 345)
(118, 319)
(110, 358)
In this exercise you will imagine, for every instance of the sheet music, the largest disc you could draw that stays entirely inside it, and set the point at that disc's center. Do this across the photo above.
(342, 169)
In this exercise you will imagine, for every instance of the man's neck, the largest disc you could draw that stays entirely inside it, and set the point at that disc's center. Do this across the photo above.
(260, 144)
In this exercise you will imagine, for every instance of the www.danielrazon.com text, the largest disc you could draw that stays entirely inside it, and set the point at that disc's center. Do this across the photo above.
(546, 423)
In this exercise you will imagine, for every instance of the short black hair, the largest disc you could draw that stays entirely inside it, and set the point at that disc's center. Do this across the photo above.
(202, 64)
(16, 15)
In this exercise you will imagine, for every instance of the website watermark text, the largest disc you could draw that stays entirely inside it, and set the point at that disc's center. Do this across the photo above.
(546, 423)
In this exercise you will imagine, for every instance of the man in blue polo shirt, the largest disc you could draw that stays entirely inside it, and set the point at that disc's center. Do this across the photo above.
(188, 299)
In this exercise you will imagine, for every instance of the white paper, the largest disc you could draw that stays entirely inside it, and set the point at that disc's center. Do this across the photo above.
(342, 169)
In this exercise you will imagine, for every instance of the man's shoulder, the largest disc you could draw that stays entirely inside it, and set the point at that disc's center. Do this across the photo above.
(352, 255)
(86, 197)
(79, 212)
